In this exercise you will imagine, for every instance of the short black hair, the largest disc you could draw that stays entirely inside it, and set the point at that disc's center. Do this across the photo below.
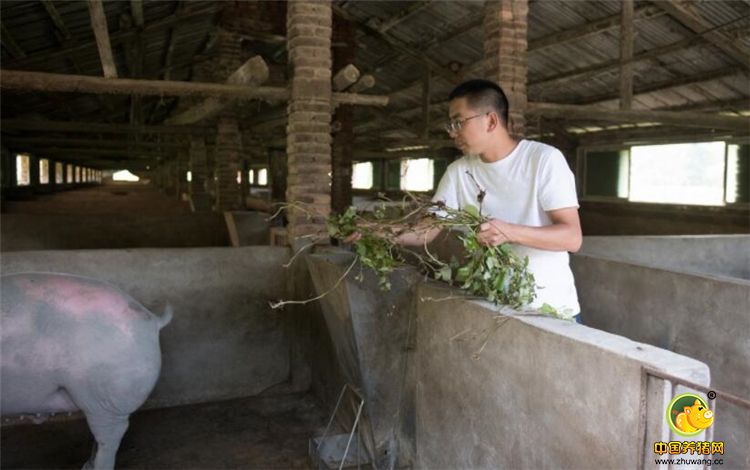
(483, 94)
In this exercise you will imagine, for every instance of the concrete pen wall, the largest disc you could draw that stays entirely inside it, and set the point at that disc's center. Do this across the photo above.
(676, 307)
(498, 391)
(224, 341)
(719, 255)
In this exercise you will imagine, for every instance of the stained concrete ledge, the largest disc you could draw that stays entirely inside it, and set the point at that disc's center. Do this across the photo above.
(224, 341)
(495, 391)
(715, 255)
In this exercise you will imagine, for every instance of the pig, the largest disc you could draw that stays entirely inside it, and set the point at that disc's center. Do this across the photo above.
(72, 343)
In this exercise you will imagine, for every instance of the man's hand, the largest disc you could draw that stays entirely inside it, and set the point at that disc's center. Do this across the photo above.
(354, 237)
(357, 235)
(495, 232)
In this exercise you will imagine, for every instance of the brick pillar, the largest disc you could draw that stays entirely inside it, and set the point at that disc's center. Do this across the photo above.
(343, 119)
(228, 148)
(244, 183)
(228, 141)
(278, 169)
(199, 199)
(505, 55)
(309, 111)
(181, 168)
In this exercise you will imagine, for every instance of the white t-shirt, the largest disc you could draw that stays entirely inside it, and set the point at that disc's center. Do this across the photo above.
(520, 189)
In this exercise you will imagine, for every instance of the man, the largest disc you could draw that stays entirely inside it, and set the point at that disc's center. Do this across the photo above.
(530, 192)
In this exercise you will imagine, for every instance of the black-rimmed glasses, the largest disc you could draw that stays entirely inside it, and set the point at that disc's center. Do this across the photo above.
(456, 125)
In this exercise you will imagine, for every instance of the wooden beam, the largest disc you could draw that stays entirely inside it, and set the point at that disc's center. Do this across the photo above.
(52, 82)
(426, 97)
(9, 43)
(651, 135)
(732, 104)
(626, 55)
(690, 18)
(72, 152)
(365, 82)
(99, 25)
(591, 28)
(99, 128)
(57, 20)
(251, 74)
(107, 108)
(593, 70)
(171, 45)
(668, 84)
(345, 77)
(136, 9)
(115, 39)
(91, 143)
(701, 120)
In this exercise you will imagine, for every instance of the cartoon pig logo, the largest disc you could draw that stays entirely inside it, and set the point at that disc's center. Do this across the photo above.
(688, 414)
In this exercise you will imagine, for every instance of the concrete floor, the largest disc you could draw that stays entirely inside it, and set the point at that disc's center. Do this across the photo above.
(106, 199)
(268, 432)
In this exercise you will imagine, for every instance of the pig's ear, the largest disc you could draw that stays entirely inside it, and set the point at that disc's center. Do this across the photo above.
(697, 402)
(687, 409)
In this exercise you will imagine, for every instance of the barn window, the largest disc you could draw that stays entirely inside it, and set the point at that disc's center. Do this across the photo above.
(417, 174)
(678, 173)
(69, 178)
(704, 173)
(43, 171)
(262, 177)
(258, 176)
(77, 174)
(362, 175)
(189, 176)
(239, 177)
(23, 177)
(59, 173)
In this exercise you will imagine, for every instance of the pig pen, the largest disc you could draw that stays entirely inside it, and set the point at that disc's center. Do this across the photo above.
(687, 294)
(452, 382)
(236, 375)
(236, 378)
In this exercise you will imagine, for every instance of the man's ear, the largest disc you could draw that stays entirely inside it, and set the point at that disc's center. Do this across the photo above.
(493, 122)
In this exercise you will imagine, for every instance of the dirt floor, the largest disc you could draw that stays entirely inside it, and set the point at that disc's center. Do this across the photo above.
(262, 433)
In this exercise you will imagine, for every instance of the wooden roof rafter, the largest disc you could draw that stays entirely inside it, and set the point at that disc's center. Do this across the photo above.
(691, 18)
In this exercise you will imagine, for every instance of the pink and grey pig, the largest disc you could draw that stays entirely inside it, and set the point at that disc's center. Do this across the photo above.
(71, 343)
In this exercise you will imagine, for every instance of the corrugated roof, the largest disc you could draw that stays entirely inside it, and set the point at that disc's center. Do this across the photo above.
(446, 33)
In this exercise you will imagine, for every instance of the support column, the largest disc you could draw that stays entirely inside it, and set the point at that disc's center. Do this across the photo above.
(343, 123)
(278, 168)
(309, 111)
(244, 183)
(199, 200)
(505, 55)
(228, 138)
(228, 147)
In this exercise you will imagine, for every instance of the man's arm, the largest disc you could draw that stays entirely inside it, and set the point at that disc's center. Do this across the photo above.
(423, 232)
(563, 235)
